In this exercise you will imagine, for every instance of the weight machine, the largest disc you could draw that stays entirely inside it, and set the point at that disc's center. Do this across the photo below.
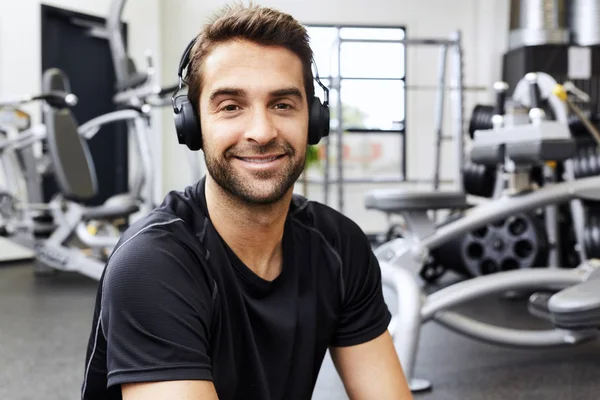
(49, 229)
(571, 297)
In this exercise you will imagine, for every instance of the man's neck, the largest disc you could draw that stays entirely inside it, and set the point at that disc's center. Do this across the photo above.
(253, 232)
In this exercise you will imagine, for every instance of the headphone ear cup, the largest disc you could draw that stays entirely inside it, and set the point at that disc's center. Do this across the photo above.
(187, 125)
(318, 122)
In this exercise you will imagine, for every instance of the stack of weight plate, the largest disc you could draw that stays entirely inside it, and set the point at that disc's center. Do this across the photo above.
(584, 21)
(538, 22)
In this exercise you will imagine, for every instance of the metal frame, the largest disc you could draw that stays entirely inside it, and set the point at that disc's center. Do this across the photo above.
(336, 83)
(452, 45)
(402, 259)
(52, 252)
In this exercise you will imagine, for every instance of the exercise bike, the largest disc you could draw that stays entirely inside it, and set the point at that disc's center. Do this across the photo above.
(573, 305)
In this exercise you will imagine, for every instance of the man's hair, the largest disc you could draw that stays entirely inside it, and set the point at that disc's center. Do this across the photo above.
(261, 25)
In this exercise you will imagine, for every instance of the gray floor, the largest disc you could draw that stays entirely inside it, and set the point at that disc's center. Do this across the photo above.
(45, 323)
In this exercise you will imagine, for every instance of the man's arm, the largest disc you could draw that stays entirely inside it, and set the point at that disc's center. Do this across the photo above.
(371, 370)
(170, 390)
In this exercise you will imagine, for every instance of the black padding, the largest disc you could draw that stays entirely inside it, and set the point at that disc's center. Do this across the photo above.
(55, 80)
(108, 212)
(70, 155)
(131, 68)
(537, 151)
(399, 200)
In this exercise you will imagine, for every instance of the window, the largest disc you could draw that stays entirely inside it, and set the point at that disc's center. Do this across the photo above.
(364, 69)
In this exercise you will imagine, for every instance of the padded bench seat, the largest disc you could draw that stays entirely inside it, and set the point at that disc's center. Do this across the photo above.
(399, 200)
(577, 307)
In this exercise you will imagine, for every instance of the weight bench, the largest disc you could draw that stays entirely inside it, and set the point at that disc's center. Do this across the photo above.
(413, 206)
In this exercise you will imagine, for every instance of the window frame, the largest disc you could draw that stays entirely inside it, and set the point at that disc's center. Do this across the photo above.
(354, 130)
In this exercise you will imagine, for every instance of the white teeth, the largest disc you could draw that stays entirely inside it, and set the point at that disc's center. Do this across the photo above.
(259, 160)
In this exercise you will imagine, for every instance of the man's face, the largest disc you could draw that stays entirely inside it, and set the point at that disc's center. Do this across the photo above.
(254, 120)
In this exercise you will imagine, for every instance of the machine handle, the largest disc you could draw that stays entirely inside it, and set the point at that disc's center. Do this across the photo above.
(500, 88)
(534, 90)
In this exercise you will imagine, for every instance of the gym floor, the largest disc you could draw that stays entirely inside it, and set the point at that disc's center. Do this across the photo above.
(45, 323)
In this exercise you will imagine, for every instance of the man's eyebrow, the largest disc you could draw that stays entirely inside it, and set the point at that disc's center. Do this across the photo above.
(227, 92)
(237, 92)
(291, 91)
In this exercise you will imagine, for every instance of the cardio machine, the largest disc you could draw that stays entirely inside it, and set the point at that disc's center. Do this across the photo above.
(571, 297)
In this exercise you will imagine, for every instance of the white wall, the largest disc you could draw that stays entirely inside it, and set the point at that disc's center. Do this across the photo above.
(484, 27)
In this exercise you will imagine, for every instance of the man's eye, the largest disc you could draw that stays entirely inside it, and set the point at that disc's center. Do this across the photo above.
(230, 107)
(283, 106)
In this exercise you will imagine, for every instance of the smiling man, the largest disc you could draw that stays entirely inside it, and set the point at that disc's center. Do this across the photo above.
(236, 287)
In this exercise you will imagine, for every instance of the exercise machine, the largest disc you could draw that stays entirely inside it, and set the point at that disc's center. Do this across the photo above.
(49, 229)
(140, 90)
(571, 297)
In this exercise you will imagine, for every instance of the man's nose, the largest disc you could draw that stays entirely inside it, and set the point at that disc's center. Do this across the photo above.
(261, 128)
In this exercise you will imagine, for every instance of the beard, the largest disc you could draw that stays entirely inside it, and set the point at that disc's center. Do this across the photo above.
(255, 187)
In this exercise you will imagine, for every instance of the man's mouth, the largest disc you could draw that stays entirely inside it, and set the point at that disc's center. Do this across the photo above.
(261, 159)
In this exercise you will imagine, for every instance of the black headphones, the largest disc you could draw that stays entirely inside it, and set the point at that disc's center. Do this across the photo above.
(187, 120)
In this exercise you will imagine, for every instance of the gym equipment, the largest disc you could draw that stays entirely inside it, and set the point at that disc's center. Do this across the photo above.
(49, 229)
(479, 180)
(573, 308)
(517, 242)
(187, 120)
(141, 91)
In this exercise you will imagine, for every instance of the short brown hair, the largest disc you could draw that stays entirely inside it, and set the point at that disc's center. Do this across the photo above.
(261, 25)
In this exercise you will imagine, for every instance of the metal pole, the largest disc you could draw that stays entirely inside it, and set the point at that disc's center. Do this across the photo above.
(458, 115)
(439, 116)
(116, 41)
(423, 41)
(340, 131)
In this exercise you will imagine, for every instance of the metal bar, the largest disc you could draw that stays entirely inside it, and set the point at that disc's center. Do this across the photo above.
(376, 131)
(371, 78)
(340, 132)
(415, 41)
(439, 116)
(459, 114)
(519, 338)
(447, 88)
(507, 206)
(473, 289)
(116, 41)
(467, 88)
(577, 213)
(91, 127)
(378, 180)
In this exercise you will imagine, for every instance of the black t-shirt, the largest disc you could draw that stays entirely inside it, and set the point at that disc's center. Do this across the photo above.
(175, 303)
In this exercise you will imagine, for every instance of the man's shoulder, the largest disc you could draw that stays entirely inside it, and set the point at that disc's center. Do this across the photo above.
(332, 224)
(172, 223)
(178, 212)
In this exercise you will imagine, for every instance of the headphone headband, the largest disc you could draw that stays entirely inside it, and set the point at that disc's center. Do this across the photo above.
(325, 89)
(185, 58)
